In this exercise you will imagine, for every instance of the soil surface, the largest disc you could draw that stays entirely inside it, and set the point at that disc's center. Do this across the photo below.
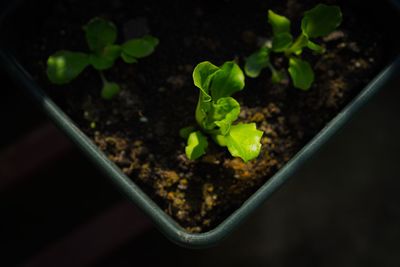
(138, 130)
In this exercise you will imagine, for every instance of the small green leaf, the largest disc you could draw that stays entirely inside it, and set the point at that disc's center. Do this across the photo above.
(315, 47)
(321, 20)
(280, 24)
(226, 81)
(244, 140)
(100, 33)
(64, 66)
(110, 89)
(107, 57)
(281, 42)
(196, 145)
(140, 47)
(202, 75)
(256, 62)
(301, 73)
(223, 113)
(128, 59)
(185, 131)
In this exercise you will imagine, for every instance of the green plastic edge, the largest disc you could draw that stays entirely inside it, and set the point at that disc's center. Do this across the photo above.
(162, 221)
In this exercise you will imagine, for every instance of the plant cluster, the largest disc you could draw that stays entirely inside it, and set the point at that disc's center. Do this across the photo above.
(317, 22)
(216, 111)
(101, 35)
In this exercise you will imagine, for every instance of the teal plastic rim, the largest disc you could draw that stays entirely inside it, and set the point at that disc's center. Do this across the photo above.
(170, 228)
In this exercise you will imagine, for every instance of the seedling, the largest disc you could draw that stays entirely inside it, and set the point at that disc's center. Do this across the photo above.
(216, 111)
(317, 22)
(101, 35)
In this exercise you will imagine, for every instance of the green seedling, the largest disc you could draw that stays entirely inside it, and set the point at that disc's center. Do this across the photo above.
(317, 22)
(101, 35)
(216, 111)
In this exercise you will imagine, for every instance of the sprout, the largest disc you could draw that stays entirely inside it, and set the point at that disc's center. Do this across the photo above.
(317, 22)
(216, 111)
(101, 35)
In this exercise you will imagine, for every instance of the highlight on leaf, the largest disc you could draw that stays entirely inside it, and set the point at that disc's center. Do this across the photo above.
(243, 140)
(196, 145)
(279, 24)
(64, 66)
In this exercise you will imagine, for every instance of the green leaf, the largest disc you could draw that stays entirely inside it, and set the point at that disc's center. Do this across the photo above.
(219, 139)
(315, 47)
(280, 24)
(321, 20)
(243, 141)
(128, 59)
(140, 47)
(226, 81)
(100, 33)
(110, 89)
(154, 41)
(202, 75)
(297, 46)
(64, 66)
(281, 42)
(301, 73)
(196, 145)
(106, 58)
(256, 62)
(185, 131)
(222, 114)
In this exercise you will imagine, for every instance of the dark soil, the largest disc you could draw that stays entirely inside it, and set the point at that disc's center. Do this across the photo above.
(138, 130)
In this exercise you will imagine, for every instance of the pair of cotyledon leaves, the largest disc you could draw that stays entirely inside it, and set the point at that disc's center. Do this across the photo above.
(101, 35)
(217, 110)
(317, 22)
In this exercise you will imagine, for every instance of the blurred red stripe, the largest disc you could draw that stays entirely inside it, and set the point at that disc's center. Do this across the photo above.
(30, 153)
(95, 239)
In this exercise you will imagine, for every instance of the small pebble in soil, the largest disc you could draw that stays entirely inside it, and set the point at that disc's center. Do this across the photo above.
(354, 47)
(183, 184)
(143, 119)
(262, 41)
(177, 81)
(334, 36)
